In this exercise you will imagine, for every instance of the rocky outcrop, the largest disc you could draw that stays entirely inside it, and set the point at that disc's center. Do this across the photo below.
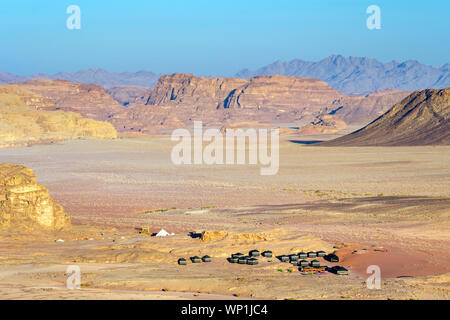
(13, 96)
(326, 124)
(208, 236)
(23, 122)
(130, 96)
(179, 99)
(229, 93)
(420, 119)
(91, 101)
(281, 93)
(266, 99)
(188, 90)
(25, 204)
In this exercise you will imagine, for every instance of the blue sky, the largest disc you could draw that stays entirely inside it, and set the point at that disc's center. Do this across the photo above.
(215, 37)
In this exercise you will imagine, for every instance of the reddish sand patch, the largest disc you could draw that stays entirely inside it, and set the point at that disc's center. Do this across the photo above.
(393, 262)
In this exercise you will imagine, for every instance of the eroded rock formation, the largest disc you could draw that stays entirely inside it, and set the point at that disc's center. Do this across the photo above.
(260, 92)
(24, 203)
(23, 122)
(188, 90)
(326, 124)
(281, 92)
(91, 101)
(179, 99)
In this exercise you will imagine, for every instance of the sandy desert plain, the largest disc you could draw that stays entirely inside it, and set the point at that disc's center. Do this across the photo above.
(385, 206)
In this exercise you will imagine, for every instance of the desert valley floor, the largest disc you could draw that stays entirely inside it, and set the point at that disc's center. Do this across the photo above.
(385, 206)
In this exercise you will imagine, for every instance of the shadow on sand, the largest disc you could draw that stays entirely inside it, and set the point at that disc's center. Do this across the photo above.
(306, 142)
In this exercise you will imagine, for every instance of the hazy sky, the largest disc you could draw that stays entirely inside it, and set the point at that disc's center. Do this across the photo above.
(215, 37)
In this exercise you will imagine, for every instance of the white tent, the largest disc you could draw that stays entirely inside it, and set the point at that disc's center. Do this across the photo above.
(162, 233)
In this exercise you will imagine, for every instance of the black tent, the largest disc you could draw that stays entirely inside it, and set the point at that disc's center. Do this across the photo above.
(315, 263)
(267, 254)
(254, 253)
(339, 270)
(303, 255)
(293, 257)
(243, 260)
(206, 259)
(321, 253)
(332, 257)
(303, 263)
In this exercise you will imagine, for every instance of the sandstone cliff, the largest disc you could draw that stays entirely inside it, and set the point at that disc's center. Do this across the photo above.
(25, 204)
(22, 123)
(420, 119)
(281, 92)
(257, 93)
(182, 98)
(91, 101)
(188, 90)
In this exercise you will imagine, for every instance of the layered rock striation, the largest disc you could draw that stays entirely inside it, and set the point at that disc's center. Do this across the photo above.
(23, 120)
(25, 204)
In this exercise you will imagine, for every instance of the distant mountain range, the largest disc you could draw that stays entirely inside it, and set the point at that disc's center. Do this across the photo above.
(351, 75)
(361, 75)
(92, 76)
